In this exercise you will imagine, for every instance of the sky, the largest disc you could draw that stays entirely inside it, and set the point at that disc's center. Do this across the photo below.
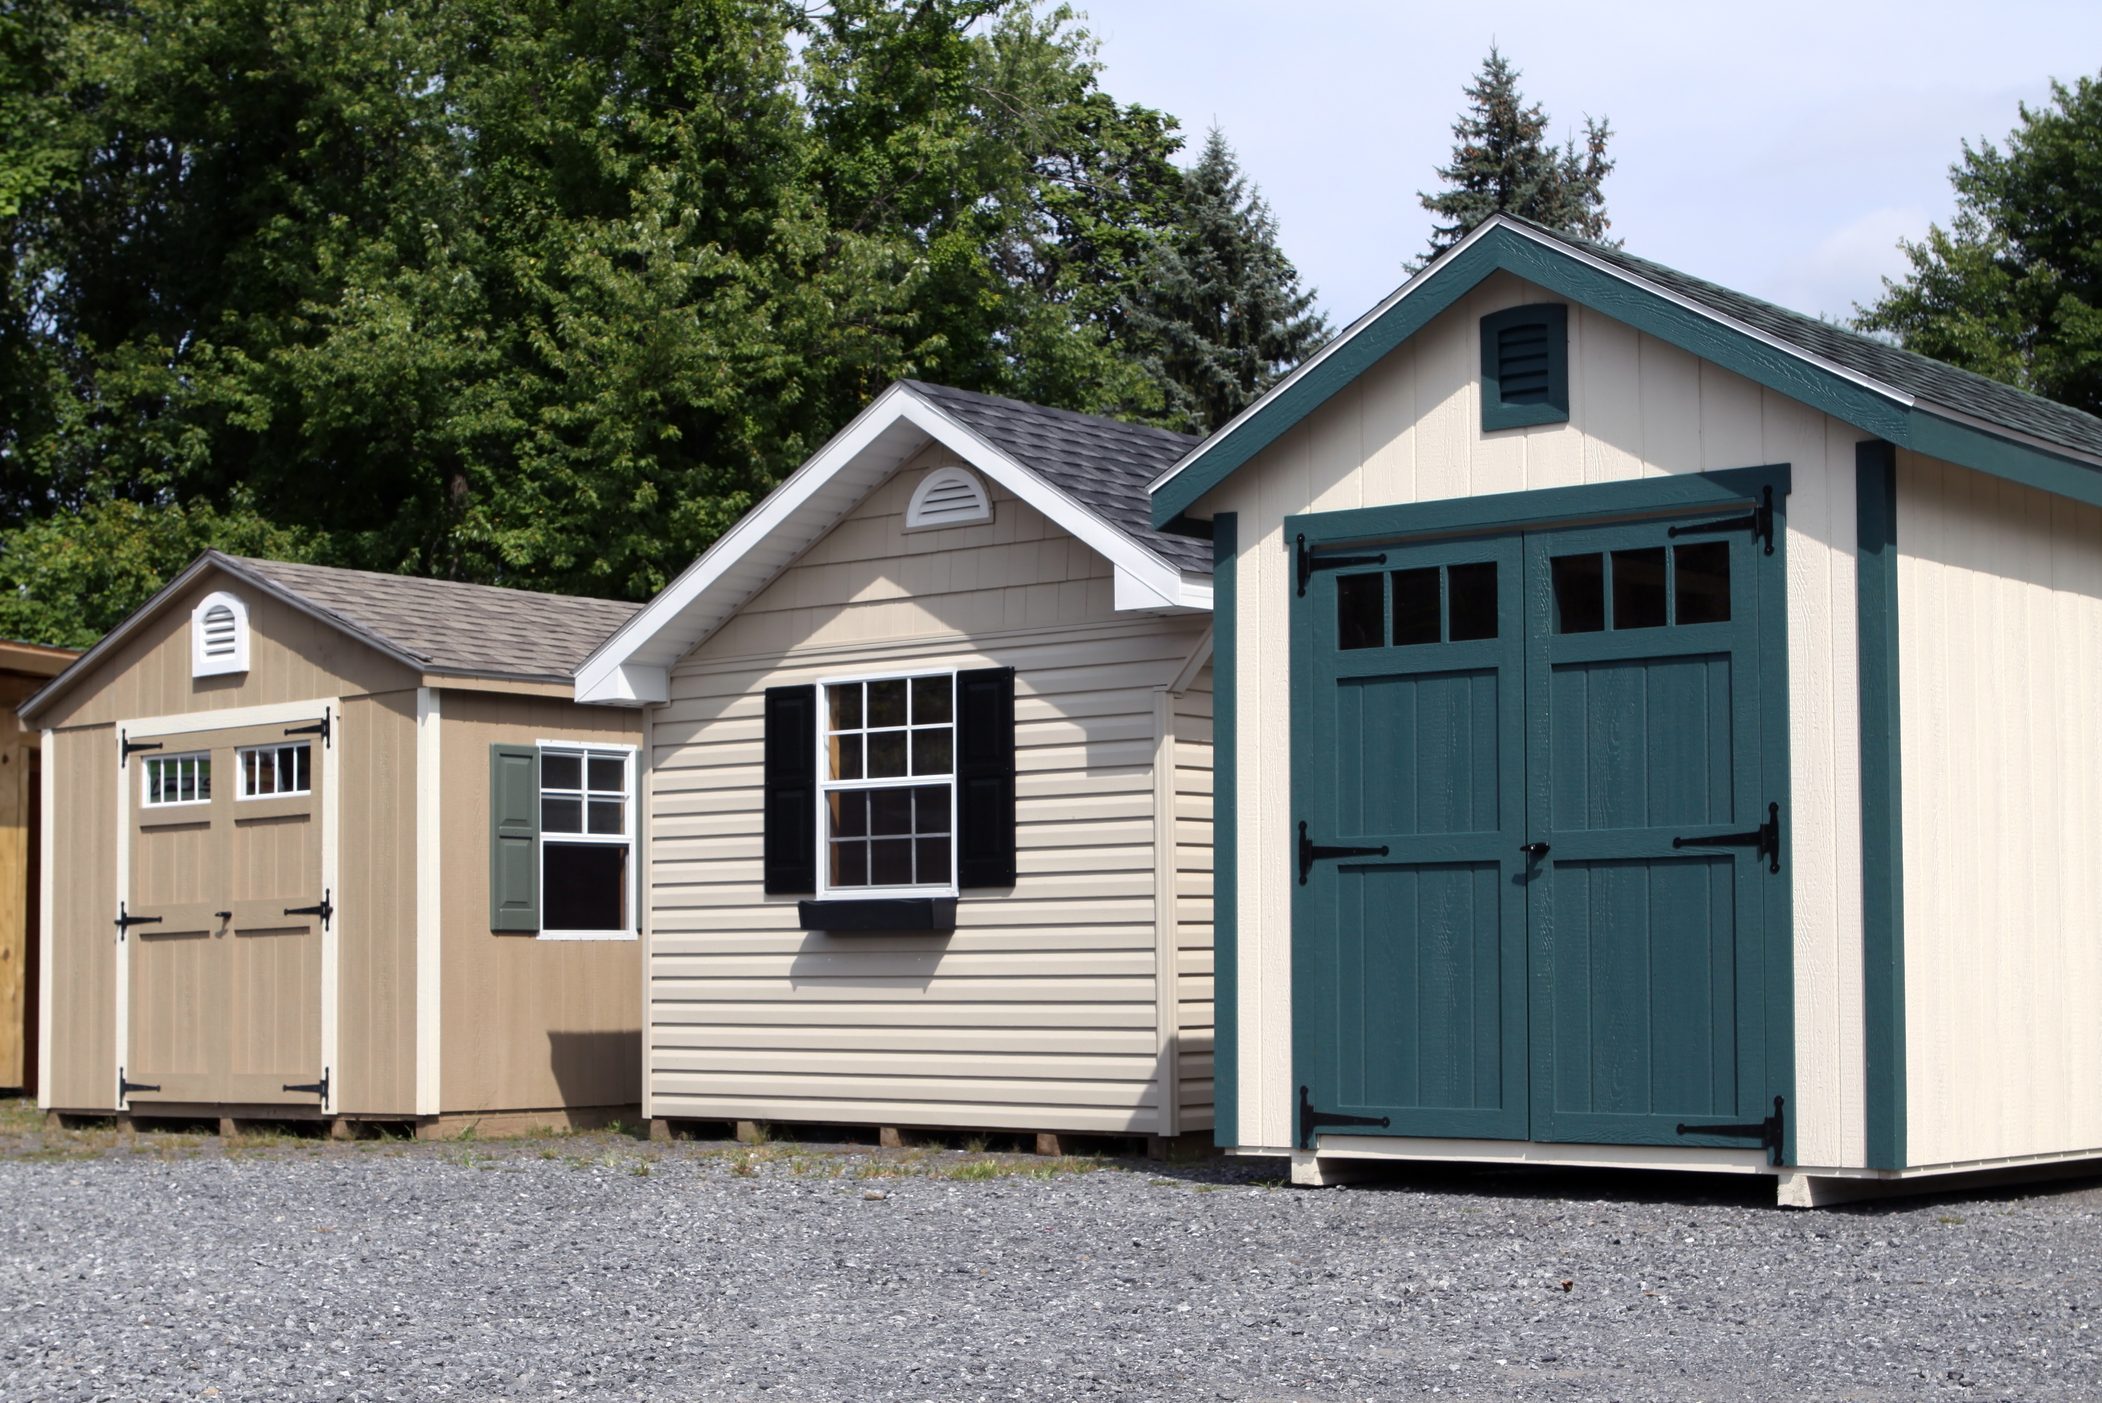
(1777, 148)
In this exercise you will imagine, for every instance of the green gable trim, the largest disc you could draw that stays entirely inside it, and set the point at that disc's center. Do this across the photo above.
(1545, 324)
(1226, 969)
(1566, 275)
(1882, 846)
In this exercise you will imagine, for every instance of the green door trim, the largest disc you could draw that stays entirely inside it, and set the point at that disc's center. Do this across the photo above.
(1882, 807)
(1745, 489)
(1226, 945)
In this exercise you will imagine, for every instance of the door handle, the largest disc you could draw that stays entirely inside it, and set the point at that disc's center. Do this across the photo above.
(224, 915)
(1534, 849)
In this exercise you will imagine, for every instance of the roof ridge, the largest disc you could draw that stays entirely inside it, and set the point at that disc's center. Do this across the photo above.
(268, 563)
(1106, 421)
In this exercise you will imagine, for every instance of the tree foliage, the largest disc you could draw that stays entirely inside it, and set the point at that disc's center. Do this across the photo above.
(1503, 162)
(538, 292)
(2013, 287)
(1220, 314)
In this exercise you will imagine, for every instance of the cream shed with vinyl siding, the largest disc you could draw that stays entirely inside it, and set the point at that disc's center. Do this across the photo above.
(1935, 913)
(1070, 993)
(265, 772)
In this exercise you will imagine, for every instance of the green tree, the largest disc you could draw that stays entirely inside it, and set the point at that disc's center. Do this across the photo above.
(2013, 287)
(1220, 315)
(1503, 162)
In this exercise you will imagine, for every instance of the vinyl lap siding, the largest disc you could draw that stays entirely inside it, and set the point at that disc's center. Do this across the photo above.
(1193, 900)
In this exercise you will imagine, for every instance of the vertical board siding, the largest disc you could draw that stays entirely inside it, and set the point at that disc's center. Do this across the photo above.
(376, 930)
(530, 1024)
(1409, 430)
(1041, 1010)
(82, 831)
(1999, 688)
(1192, 817)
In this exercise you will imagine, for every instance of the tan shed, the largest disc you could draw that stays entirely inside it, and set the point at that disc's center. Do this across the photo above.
(24, 667)
(284, 875)
(929, 787)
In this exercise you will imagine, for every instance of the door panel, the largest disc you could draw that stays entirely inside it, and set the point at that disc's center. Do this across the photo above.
(225, 987)
(1413, 997)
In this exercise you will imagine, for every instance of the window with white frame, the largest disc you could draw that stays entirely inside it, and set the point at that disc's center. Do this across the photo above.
(887, 761)
(276, 771)
(586, 861)
(171, 780)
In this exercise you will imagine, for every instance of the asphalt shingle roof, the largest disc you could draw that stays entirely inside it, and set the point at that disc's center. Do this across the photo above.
(453, 627)
(1930, 380)
(1104, 464)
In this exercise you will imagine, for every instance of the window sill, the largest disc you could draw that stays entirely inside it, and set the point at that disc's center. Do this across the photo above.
(584, 935)
(936, 914)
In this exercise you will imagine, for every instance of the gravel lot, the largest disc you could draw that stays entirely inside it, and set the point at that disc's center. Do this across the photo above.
(604, 1267)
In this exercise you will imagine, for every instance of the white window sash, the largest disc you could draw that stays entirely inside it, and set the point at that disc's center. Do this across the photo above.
(629, 839)
(826, 787)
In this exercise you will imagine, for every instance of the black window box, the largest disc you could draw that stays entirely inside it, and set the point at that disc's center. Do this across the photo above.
(906, 913)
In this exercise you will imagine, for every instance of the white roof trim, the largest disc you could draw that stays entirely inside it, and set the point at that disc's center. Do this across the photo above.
(1480, 231)
(625, 668)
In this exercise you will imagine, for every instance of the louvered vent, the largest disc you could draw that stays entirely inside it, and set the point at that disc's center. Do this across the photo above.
(218, 636)
(949, 497)
(222, 632)
(1522, 364)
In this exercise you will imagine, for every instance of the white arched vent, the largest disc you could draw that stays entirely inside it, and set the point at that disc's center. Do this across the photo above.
(949, 497)
(218, 636)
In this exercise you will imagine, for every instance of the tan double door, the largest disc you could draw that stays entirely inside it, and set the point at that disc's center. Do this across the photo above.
(225, 910)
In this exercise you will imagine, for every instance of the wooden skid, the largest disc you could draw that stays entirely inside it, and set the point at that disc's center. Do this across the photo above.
(896, 1137)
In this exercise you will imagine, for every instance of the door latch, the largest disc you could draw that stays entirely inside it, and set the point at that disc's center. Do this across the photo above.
(1311, 852)
(323, 908)
(1765, 839)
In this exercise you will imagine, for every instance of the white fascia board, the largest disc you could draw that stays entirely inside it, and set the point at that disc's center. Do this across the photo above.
(624, 669)
(1481, 231)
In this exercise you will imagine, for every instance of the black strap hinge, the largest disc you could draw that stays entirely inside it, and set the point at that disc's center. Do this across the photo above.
(1309, 1119)
(318, 728)
(1765, 839)
(1311, 852)
(1760, 522)
(125, 1088)
(126, 746)
(313, 1088)
(125, 921)
(1309, 562)
(324, 908)
(1770, 1133)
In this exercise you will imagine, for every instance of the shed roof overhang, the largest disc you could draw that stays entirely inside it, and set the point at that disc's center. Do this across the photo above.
(633, 666)
(1568, 269)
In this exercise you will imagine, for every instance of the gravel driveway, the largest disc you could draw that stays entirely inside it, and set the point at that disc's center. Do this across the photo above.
(603, 1267)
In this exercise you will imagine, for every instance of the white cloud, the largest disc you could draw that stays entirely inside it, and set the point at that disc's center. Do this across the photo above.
(1848, 263)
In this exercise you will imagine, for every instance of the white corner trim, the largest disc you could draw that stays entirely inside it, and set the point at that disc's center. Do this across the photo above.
(430, 909)
(47, 908)
(596, 679)
(332, 882)
(121, 1032)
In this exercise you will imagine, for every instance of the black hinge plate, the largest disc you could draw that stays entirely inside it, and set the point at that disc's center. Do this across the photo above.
(1770, 1133)
(125, 921)
(125, 1088)
(1765, 839)
(1308, 562)
(1311, 852)
(1760, 522)
(126, 746)
(324, 908)
(312, 1088)
(319, 728)
(1310, 1119)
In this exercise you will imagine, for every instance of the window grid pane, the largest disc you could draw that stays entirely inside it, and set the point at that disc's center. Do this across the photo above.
(179, 779)
(272, 771)
(584, 865)
(885, 825)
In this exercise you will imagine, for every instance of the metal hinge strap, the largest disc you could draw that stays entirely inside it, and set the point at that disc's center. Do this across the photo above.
(125, 1088)
(126, 745)
(1311, 852)
(319, 728)
(125, 920)
(1765, 839)
(324, 908)
(1760, 522)
(1310, 1118)
(1770, 1133)
(1308, 562)
(315, 1088)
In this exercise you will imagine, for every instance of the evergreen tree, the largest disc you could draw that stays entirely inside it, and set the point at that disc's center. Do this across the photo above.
(1220, 315)
(2013, 287)
(1502, 162)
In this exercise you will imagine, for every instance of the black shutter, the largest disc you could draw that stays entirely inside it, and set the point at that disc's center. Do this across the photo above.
(985, 777)
(790, 843)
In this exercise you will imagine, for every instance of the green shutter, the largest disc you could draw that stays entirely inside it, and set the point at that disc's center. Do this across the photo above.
(1525, 366)
(514, 838)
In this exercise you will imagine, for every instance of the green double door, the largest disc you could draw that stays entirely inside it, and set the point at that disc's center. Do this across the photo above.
(1535, 827)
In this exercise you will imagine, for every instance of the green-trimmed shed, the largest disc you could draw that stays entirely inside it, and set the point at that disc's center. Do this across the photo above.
(1655, 729)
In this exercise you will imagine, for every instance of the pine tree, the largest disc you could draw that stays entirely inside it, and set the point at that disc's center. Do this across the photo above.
(1502, 162)
(1220, 315)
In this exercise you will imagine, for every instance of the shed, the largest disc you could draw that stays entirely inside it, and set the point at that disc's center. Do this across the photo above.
(1657, 729)
(24, 667)
(327, 843)
(928, 787)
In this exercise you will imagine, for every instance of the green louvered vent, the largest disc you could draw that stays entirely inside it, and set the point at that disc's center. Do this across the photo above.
(1525, 366)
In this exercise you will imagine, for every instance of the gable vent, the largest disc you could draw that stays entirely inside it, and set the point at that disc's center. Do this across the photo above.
(1525, 366)
(218, 636)
(949, 497)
